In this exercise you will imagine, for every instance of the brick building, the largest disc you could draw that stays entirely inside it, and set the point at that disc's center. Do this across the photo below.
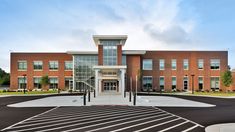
(112, 69)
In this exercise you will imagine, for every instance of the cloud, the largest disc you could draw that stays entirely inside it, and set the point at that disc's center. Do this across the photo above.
(171, 35)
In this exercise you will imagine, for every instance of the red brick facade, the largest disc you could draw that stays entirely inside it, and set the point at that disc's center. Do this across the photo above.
(134, 64)
(61, 73)
(193, 57)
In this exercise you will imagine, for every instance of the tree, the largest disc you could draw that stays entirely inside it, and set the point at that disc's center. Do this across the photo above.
(227, 78)
(4, 77)
(45, 81)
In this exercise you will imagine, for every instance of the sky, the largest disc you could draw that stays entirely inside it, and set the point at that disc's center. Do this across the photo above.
(63, 25)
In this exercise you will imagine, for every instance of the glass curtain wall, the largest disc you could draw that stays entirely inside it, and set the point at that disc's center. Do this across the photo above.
(84, 73)
(109, 52)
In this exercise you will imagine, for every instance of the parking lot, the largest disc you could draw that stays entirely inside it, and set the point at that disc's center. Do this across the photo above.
(106, 118)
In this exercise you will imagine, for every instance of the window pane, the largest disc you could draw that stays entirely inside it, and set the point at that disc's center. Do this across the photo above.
(173, 64)
(147, 64)
(161, 64)
(185, 64)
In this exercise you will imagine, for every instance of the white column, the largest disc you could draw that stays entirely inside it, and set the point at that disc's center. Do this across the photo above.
(96, 82)
(123, 71)
(73, 74)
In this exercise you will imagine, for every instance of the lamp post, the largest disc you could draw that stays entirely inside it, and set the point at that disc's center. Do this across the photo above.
(192, 83)
(24, 82)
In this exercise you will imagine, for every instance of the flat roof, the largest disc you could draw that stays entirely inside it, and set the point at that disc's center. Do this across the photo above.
(122, 38)
(82, 52)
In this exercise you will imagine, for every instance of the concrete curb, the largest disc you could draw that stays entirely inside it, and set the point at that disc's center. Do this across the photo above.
(228, 127)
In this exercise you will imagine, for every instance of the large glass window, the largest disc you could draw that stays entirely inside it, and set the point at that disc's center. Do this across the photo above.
(147, 64)
(53, 82)
(37, 83)
(147, 83)
(162, 83)
(53, 65)
(200, 64)
(200, 83)
(215, 64)
(37, 65)
(173, 80)
(109, 52)
(22, 82)
(173, 64)
(161, 64)
(214, 83)
(68, 65)
(84, 73)
(186, 64)
(22, 65)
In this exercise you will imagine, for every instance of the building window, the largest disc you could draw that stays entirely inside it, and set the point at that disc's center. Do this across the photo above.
(147, 83)
(185, 64)
(215, 64)
(37, 65)
(53, 83)
(200, 64)
(109, 52)
(147, 64)
(22, 82)
(173, 80)
(68, 82)
(37, 83)
(162, 83)
(200, 83)
(173, 64)
(214, 83)
(53, 65)
(161, 64)
(22, 65)
(68, 65)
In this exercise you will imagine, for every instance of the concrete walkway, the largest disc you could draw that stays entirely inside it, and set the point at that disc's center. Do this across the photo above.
(111, 99)
(229, 127)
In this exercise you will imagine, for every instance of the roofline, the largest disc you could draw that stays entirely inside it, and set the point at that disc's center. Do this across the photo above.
(96, 38)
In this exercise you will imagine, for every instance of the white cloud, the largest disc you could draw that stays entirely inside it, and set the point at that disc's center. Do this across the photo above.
(149, 24)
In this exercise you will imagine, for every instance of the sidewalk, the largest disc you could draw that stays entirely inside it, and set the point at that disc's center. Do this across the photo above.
(229, 127)
(110, 99)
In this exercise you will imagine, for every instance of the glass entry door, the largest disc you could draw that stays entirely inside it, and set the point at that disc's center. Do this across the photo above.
(110, 85)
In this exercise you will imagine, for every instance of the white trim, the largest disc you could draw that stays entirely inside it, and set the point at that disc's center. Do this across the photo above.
(187, 63)
(143, 64)
(163, 64)
(175, 64)
(37, 76)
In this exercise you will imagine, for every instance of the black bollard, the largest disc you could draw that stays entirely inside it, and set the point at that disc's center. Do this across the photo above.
(94, 93)
(84, 98)
(124, 93)
(89, 95)
(129, 96)
(134, 101)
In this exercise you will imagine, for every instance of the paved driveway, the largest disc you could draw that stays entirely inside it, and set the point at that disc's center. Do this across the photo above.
(106, 118)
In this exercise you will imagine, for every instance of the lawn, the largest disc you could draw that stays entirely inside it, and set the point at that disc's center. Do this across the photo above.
(222, 94)
(27, 93)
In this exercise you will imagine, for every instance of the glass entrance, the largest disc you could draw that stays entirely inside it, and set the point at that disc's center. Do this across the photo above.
(110, 85)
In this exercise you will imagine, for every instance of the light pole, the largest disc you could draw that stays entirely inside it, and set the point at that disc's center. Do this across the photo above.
(192, 83)
(24, 82)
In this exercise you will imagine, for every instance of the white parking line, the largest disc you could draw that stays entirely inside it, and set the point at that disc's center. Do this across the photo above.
(182, 118)
(78, 115)
(63, 123)
(191, 128)
(173, 126)
(141, 123)
(101, 128)
(146, 128)
(75, 129)
(74, 117)
(29, 118)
